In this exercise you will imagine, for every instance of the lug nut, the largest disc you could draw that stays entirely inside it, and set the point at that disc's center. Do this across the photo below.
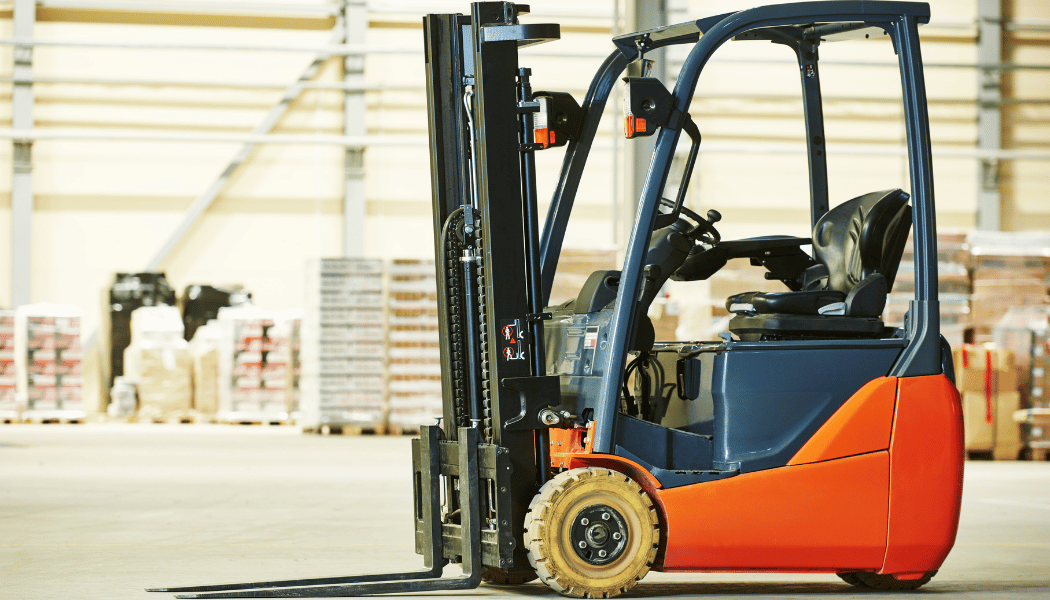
(585, 521)
(602, 553)
(605, 516)
(582, 545)
(617, 536)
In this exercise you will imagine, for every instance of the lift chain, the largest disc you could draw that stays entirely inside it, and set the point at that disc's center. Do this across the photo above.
(457, 333)
(483, 346)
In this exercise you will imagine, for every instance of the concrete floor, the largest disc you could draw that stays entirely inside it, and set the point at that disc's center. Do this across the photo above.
(104, 511)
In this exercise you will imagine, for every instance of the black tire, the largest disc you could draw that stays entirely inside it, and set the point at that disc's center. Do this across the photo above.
(875, 581)
(497, 576)
(591, 533)
(852, 579)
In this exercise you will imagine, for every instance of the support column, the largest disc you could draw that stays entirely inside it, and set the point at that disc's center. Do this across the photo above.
(24, 18)
(989, 112)
(641, 15)
(355, 109)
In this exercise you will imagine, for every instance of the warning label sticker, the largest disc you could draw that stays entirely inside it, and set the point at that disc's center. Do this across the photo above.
(512, 340)
(590, 341)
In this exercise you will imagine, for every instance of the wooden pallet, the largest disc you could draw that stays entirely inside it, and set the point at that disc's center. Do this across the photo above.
(346, 430)
(403, 430)
(177, 420)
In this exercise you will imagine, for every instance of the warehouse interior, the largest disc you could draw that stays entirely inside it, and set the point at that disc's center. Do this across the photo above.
(197, 196)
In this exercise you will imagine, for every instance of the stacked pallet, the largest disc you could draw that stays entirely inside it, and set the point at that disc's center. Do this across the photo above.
(413, 354)
(129, 292)
(49, 359)
(1025, 330)
(986, 376)
(251, 382)
(1036, 418)
(158, 363)
(953, 287)
(10, 409)
(574, 267)
(283, 366)
(204, 353)
(1008, 269)
(343, 339)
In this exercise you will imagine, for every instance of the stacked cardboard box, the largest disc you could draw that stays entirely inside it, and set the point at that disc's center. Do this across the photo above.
(986, 376)
(413, 355)
(204, 353)
(158, 362)
(1023, 330)
(1007, 269)
(953, 287)
(10, 408)
(574, 267)
(251, 385)
(128, 292)
(1036, 422)
(342, 379)
(69, 360)
(282, 359)
(1027, 330)
(48, 360)
(1039, 370)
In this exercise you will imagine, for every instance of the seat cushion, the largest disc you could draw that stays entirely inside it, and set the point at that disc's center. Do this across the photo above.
(753, 327)
(792, 303)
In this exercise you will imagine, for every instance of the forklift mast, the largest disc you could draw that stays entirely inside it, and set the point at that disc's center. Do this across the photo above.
(486, 242)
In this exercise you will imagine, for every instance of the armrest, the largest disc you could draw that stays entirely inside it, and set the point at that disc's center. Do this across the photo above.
(761, 247)
(781, 255)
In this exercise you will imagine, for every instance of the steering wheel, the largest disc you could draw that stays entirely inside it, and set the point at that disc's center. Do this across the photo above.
(704, 231)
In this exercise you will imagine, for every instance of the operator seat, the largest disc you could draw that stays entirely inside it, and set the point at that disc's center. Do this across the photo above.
(857, 247)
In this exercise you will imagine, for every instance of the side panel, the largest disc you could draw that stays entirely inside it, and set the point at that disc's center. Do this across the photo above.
(926, 475)
(862, 425)
(828, 516)
(771, 397)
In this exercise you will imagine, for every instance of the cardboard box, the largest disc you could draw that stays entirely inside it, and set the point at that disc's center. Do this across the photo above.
(987, 379)
(1026, 287)
(988, 308)
(163, 377)
(990, 425)
(982, 368)
(206, 381)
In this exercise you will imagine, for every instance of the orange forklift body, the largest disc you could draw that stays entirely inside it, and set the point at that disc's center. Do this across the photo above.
(877, 488)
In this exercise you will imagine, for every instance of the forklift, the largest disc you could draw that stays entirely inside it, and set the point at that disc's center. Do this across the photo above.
(815, 437)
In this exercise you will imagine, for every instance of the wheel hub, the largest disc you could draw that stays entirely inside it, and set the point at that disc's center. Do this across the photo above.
(598, 534)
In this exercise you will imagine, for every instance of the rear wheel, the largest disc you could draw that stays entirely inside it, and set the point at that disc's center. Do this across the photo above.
(591, 533)
(875, 581)
(851, 578)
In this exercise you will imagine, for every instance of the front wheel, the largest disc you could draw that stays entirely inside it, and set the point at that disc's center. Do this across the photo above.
(875, 581)
(497, 576)
(591, 533)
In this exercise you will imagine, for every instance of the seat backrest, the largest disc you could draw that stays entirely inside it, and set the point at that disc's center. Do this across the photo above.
(861, 237)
